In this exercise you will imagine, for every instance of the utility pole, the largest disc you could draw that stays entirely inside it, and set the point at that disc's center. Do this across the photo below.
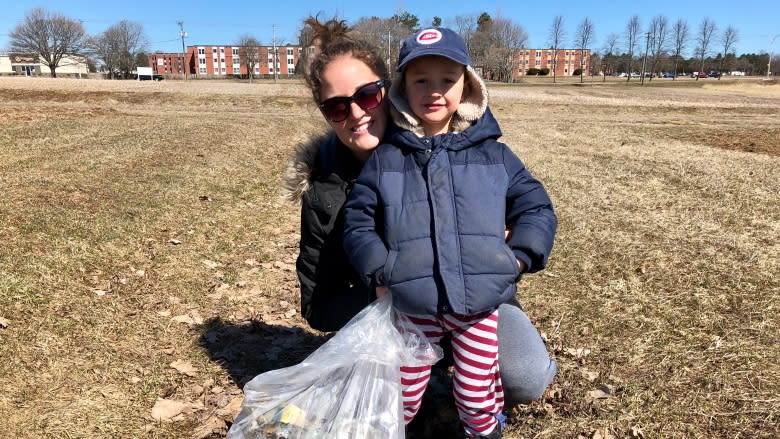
(275, 54)
(644, 60)
(769, 61)
(183, 34)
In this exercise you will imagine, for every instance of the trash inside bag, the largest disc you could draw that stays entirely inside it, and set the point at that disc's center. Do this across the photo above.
(348, 388)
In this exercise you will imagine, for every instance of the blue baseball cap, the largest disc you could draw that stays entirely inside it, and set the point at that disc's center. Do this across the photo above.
(433, 41)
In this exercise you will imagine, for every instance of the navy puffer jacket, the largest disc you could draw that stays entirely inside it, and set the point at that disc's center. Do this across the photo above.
(427, 217)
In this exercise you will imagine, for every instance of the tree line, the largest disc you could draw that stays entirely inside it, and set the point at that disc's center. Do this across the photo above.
(492, 43)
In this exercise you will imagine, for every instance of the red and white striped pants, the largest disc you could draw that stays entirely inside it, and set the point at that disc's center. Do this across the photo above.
(479, 396)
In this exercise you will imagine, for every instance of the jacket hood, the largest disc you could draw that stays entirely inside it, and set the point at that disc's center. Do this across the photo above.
(471, 109)
(298, 175)
(483, 129)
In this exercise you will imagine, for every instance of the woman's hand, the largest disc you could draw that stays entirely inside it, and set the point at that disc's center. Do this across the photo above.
(381, 291)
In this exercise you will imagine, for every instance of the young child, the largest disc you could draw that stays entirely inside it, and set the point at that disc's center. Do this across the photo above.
(428, 215)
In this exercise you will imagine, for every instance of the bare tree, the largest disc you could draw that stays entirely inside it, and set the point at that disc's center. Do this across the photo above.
(132, 41)
(466, 26)
(659, 38)
(555, 37)
(118, 47)
(249, 53)
(504, 38)
(680, 35)
(728, 39)
(707, 29)
(48, 35)
(632, 39)
(103, 48)
(585, 33)
(386, 33)
(610, 44)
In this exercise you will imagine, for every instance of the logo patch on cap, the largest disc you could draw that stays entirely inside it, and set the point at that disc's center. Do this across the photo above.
(429, 36)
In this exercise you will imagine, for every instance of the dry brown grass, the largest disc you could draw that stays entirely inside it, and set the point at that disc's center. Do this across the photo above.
(140, 226)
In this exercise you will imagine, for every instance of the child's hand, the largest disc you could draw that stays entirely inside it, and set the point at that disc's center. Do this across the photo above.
(521, 264)
(381, 291)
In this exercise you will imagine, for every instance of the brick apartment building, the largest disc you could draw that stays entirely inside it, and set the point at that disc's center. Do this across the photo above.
(167, 63)
(214, 61)
(568, 60)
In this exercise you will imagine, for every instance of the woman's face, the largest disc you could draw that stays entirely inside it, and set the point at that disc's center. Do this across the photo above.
(362, 130)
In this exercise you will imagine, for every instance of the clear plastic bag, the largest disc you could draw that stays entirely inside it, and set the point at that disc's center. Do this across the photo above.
(348, 388)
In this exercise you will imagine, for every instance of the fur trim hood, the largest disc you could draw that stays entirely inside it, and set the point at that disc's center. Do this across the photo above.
(297, 177)
(471, 109)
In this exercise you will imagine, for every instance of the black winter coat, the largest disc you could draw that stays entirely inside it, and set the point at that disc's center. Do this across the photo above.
(320, 176)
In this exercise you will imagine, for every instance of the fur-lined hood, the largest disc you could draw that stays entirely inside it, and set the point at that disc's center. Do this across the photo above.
(297, 177)
(471, 109)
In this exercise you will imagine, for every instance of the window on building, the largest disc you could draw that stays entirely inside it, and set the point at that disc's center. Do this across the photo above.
(202, 70)
(221, 50)
(223, 70)
(214, 50)
(289, 52)
(290, 62)
(236, 70)
(222, 60)
(202, 61)
(291, 71)
(201, 51)
(538, 54)
(235, 51)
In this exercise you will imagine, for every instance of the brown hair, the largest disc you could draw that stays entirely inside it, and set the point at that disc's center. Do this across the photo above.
(334, 41)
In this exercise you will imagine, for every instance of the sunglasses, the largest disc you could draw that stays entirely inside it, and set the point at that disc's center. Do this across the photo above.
(368, 97)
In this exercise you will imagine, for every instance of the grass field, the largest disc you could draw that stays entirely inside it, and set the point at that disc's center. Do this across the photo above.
(146, 266)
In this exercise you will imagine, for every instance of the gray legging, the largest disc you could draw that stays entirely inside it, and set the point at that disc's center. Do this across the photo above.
(526, 368)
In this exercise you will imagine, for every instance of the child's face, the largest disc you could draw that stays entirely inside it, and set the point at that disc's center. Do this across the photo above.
(434, 87)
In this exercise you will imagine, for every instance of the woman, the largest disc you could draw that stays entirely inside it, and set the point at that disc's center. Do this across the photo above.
(348, 81)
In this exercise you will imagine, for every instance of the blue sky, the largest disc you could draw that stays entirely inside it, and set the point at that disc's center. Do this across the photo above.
(210, 22)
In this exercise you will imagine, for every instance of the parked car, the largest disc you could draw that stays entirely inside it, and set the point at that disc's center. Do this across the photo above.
(713, 74)
(668, 75)
(698, 75)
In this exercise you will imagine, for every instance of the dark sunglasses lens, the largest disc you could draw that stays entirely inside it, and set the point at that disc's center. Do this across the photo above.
(336, 111)
(369, 97)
